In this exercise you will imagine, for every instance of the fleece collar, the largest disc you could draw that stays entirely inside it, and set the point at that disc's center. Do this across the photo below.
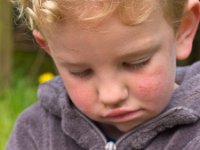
(183, 109)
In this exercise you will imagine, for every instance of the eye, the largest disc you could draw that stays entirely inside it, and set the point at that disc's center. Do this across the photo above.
(135, 65)
(82, 74)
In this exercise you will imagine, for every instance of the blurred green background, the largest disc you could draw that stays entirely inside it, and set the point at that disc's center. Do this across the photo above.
(22, 63)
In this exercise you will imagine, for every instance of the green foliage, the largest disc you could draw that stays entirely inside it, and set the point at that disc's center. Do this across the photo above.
(12, 102)
(23, 90)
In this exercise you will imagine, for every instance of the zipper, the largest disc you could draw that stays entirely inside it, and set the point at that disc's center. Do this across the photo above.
(113, 146)
(110, 146)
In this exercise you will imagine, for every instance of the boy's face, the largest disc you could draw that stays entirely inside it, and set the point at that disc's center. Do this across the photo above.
(117, 75)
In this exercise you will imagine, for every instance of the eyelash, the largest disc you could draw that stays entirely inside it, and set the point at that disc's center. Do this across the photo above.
(82, 74)
(135, 66)
(127, 65)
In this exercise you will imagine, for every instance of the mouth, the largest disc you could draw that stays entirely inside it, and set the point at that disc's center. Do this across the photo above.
(123, 115)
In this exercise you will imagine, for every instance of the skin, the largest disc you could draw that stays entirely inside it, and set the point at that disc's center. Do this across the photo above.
(117, 75)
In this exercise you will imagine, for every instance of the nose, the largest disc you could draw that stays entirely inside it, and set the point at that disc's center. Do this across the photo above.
(113, 93)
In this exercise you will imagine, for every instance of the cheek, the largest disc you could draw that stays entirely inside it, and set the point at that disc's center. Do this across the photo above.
(156, 85)
(148, 88)
(81, 95)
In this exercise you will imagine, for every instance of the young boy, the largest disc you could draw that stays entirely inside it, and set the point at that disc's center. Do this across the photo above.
(117, 88)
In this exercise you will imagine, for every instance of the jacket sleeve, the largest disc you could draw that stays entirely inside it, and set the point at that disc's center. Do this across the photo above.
(193, 145)
(27, 131)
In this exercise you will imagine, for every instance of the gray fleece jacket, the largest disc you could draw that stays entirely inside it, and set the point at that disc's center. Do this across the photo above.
(55, 124)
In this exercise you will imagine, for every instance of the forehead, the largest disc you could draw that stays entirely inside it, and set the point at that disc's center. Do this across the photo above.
(112, 31)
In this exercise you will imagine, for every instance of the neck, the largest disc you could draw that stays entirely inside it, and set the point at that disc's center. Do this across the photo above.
(110, 130)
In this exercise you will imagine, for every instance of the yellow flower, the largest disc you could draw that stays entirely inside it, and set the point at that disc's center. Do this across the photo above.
(45, 77)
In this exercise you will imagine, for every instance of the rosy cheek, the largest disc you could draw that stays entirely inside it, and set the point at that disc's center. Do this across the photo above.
(148, 88)
(150, 84)
(81, 97)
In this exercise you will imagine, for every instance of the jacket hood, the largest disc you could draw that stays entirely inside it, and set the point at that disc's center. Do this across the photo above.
(183, 109)
(52, 95)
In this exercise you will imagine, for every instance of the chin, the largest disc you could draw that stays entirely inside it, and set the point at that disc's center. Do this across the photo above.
(126, 128)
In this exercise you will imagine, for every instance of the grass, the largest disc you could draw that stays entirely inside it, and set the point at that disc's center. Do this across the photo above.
(13, 101)
(22, 92)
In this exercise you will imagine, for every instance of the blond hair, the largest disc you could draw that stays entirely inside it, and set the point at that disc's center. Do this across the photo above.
(47, 12)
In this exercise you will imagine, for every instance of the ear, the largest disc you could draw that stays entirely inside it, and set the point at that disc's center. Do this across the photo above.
(187, 29)
(39, 38)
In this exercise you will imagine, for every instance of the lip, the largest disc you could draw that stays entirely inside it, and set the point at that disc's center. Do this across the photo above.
(123, 115)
